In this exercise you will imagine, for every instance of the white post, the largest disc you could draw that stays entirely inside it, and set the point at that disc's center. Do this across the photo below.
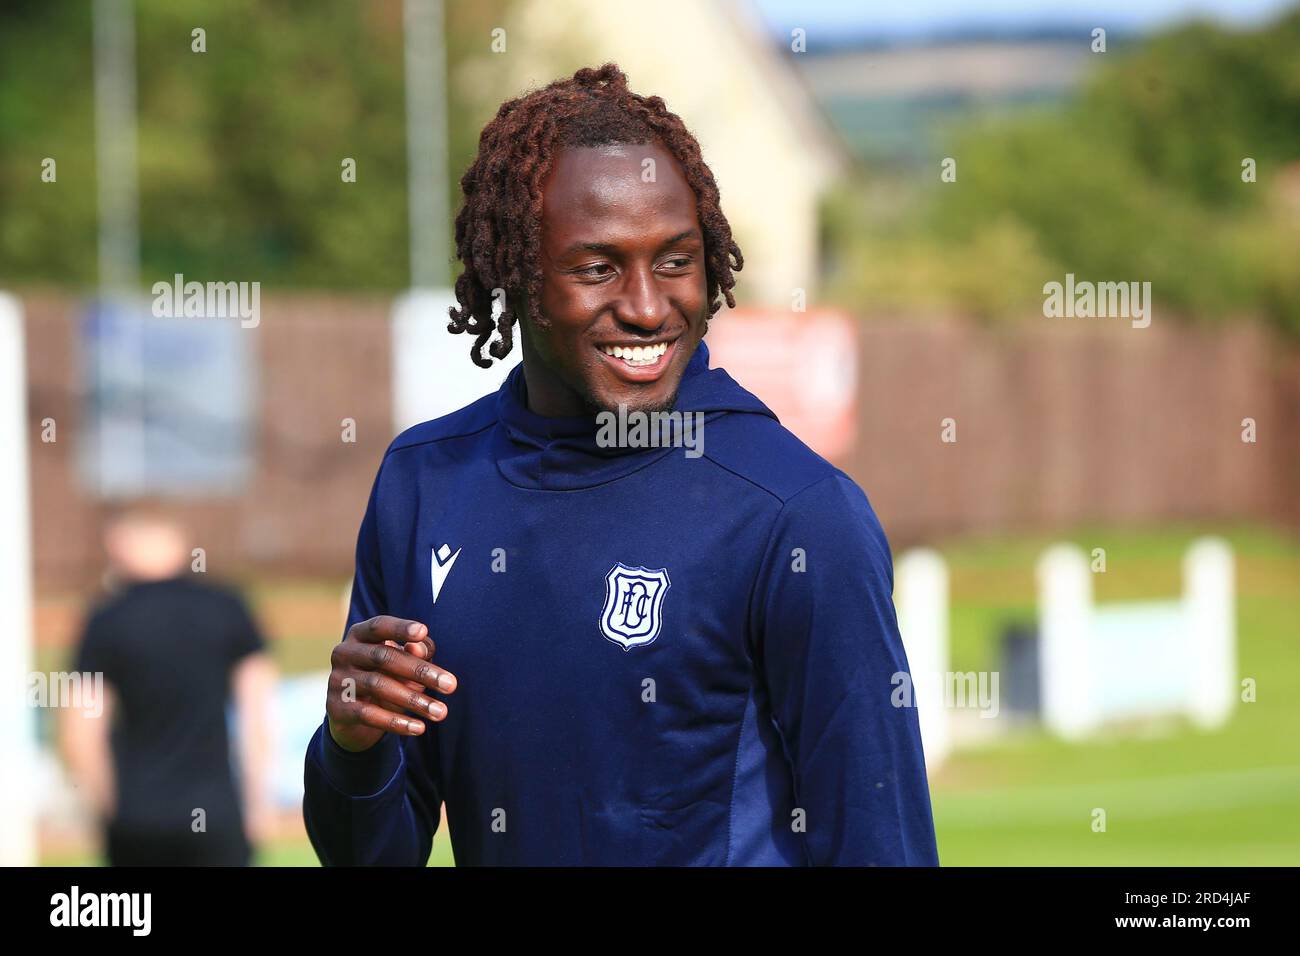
(1209, 608)
(18, 740)
(921, 601)
(1064, 626)
(432, 371)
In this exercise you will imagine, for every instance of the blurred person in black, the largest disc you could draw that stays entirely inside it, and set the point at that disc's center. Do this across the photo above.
(154, 762)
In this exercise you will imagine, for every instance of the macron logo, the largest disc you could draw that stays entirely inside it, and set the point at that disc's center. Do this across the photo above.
(439, 567)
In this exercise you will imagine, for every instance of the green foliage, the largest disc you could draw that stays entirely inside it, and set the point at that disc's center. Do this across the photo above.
(1137, 178)
(47, 230)
(240, 147)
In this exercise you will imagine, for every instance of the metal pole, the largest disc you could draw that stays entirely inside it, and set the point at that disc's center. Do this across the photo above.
(426, 143)
(119, 230)
(115, 147)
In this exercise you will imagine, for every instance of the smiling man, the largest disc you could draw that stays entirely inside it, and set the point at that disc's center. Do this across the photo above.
(612, 654)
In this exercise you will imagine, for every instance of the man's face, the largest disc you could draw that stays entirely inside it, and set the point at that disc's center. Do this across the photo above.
(622, 269)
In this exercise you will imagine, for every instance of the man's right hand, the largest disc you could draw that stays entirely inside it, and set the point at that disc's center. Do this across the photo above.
(378, 673)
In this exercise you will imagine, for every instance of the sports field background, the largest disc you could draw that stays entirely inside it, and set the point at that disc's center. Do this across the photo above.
(1170, 157)
(1173, 795)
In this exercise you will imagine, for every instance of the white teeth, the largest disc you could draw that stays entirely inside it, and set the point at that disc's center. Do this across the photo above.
(637, 355)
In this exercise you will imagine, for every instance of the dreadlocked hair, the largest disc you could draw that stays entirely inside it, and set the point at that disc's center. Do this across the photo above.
(498, 228)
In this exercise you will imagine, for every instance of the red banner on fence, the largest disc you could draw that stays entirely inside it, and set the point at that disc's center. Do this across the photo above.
(804, 366)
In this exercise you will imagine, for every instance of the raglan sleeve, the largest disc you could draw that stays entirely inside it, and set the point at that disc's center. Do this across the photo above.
(829, 653)
(379, 806)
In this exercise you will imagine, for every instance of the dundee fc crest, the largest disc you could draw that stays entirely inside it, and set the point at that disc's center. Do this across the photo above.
(634, 600)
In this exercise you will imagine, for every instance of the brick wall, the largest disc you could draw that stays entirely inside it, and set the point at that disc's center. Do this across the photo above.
(320, 360)
(1059, 424)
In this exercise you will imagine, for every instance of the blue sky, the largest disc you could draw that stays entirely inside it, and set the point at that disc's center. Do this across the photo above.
(903, 18)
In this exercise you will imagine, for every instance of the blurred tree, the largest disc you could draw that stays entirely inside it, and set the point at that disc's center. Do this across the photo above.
(1139, 177)
(241, 147)
(47, 229)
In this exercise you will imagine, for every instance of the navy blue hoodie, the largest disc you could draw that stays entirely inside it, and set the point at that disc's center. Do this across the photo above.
(662, 659)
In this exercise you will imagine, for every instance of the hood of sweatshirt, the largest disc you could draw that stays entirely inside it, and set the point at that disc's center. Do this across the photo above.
(564, 454)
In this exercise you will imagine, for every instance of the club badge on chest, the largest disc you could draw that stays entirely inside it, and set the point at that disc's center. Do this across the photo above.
(634, 600)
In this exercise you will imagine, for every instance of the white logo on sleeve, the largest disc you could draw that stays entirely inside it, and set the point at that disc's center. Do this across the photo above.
(634, 600)
(440, 563)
